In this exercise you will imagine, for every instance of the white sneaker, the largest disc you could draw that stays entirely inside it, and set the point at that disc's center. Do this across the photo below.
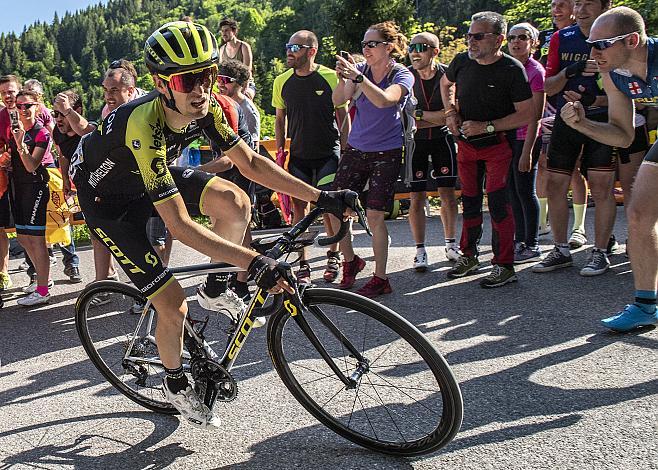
(228, 303)
(24, 266)
(545, 230)
(190, 407)
(453, 253)
(420, 260)
(32, 286)
(53, 260)
(34, 299)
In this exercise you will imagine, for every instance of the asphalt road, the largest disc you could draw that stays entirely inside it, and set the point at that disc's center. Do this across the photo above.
(544, 385)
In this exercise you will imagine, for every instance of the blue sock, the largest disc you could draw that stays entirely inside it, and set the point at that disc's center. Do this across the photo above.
(646, 300)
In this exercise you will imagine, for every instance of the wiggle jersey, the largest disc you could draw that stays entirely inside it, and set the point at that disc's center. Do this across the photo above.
(635, 88)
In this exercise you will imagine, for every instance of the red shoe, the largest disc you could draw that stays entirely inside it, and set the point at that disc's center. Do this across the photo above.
(350, 270)
(375, 286)
(333, 266)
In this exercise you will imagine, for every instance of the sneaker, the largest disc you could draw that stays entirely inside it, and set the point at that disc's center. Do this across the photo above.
(598, 264)
(137, 307)
(577, 239)
(5, 281)
(24, 266)
(32, 286)
(375, 286)
(227, 303)
(545, 230)
(304, 273)
(527, 255)
(333, 266)
(465, 265)
(189, 406)
(499, 276)
(34, 299)
(613, 246)
(420, 261)
(113, 277)
(630, 318)
(73, 272)
(553, 260)
(100, 299)
(53, 260)
(350, 270)
(453, 253)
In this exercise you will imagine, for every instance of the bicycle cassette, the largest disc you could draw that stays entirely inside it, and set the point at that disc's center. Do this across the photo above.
(213, 382)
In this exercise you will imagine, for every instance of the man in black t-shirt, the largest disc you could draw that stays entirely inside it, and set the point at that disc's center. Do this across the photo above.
(493, 96)
(433, 143)
(302, 95)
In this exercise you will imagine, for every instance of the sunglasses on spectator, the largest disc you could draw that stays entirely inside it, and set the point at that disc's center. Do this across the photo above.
(420, 47)
(56, 114)
(296, 47)
(185, 82)
(520, 37)
(116, 64)
(602, 44)
(371, 44)
(225, 79)
(23, 106)
(478, 36)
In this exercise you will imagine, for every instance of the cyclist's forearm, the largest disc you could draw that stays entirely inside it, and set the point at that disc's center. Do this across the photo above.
(269, 174)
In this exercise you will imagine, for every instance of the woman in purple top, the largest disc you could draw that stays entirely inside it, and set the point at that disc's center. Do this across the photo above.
(522, 40)
(377, 89)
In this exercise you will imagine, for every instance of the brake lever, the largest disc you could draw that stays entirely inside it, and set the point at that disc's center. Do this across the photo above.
(361, 215)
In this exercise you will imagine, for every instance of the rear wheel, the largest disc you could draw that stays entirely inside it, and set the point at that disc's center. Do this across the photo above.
(403, 400)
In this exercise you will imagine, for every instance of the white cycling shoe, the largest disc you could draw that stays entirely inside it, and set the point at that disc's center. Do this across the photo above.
(190, 407)
(228, 303)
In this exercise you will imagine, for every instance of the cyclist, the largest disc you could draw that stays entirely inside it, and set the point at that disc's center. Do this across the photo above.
(121, 172)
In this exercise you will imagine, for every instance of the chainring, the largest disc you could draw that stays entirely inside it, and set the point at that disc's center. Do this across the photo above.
(213, 382)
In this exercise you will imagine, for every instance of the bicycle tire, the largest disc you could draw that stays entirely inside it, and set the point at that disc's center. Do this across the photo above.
(400, 332)
(117, 324)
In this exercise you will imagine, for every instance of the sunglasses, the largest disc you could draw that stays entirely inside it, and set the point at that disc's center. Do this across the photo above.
(225, 79)
(478, 36)
(602, 44)
(420, 47)
(56, 114)
(371, 44)
(185, 82)
(116, 64)
(520, 37)
(296, 47)
(23, 106)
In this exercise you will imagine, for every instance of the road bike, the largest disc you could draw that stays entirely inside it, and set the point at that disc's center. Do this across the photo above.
(357, 366)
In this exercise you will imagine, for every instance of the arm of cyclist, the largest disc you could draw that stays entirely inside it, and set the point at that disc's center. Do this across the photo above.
(217, 165)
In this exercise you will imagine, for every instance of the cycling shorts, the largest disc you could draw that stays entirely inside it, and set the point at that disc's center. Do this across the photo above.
(28, 205)
(319, 174)
(442, 152)
(234, 176)
(5, 211)
(640, 144)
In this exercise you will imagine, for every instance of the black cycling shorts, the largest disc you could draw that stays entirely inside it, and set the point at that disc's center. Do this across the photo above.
(5, 211)
(640, 144)
(443, 154)
(318, 173)
(29, 202)
(234, 176)
(567, 143)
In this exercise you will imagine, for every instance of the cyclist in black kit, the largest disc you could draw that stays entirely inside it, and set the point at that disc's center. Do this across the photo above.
(121, 171)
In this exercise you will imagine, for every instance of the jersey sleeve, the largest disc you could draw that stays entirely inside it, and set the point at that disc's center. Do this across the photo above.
(42, 139)
(277, 89)
(404, 78)
(519, 86)
(216, 128)
(553, 59)
(453, 68)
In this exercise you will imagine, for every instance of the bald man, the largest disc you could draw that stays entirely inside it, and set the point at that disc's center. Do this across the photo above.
(433, 143)
(628, 62)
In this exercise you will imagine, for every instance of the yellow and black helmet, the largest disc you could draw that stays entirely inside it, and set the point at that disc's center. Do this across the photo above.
(180, 46)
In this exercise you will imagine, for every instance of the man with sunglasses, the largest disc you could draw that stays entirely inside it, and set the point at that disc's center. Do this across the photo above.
(628, 61)
(302, 98)
(433, 142)
(494, 96)
(572, 75)
(121, 172)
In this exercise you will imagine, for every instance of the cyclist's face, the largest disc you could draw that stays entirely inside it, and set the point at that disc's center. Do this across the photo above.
(8, 92)
(586, 11)
(115, 92)
(562, 13)
(194, 104)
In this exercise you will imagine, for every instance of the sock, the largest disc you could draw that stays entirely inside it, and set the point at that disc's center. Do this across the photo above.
(564, 248)
(216, 284)
(579, 217)
(646, 300)
(42, 290)
(176, 379)
(241, 289)
(451, 242)
(543, 211)
(420, 246)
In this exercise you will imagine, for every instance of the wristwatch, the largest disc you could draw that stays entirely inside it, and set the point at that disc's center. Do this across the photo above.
(418, 114)
(358, 79)
(490, 127)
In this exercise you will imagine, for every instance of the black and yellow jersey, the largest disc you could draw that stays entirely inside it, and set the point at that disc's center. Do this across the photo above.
(128, 154)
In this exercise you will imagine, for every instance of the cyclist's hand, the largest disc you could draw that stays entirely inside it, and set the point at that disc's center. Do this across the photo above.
(342, 203)
(268, 274)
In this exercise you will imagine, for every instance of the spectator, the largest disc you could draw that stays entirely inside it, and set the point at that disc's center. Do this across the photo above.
(522, 41)
(235, 49)
(433, 142)
(302, 96)
(374, 147)
(233, 79)
(494, 96)
(29, 193)
(571, 76)
(43, 116)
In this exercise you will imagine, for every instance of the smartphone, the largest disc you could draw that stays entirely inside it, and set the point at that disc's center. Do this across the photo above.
(345, 55)
(13, 118)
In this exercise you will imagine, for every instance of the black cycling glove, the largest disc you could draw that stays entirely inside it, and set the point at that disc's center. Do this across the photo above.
(335, 202)
(265, 271)
(575, 69)
(587, 99)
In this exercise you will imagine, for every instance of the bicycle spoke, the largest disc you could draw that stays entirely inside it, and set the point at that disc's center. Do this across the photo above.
(388, 411)
(406, 394)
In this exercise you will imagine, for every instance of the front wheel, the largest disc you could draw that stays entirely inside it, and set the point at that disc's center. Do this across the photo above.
(403, 398)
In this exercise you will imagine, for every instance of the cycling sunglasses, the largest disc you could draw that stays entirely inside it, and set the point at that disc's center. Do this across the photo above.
(520, 37)
(23, 106)
(477, 36)
(296, 47)
(225, 79)
(185, 82)
(603, 44)
(420, 47)
(371, 44)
